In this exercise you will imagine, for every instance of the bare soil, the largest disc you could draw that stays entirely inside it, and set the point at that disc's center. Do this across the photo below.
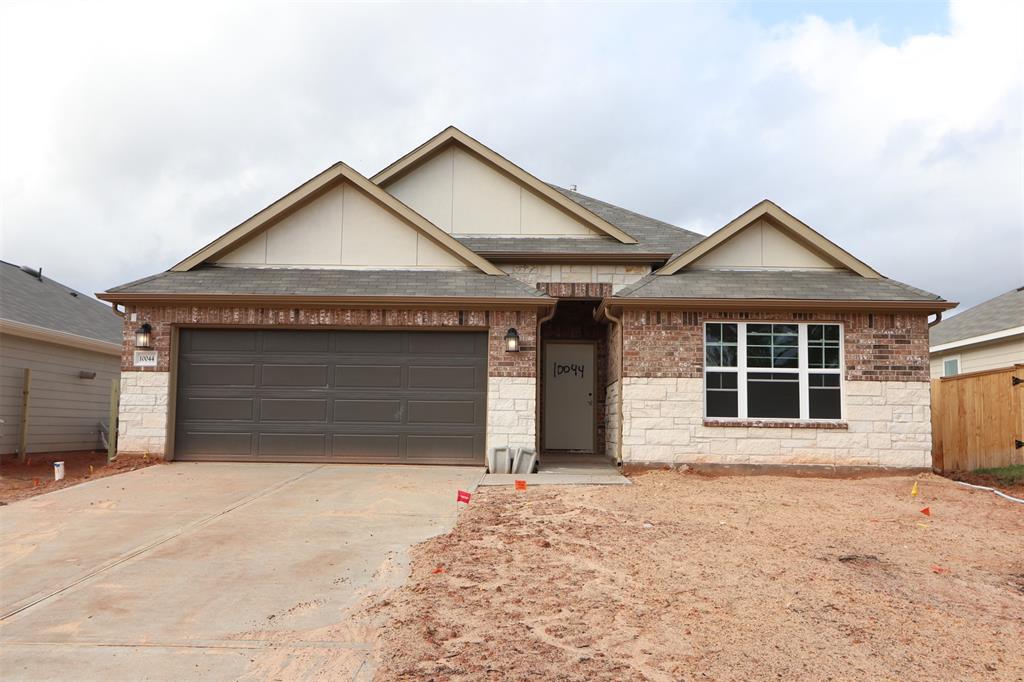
(1015, 489)
(35, 477)
(685, 577)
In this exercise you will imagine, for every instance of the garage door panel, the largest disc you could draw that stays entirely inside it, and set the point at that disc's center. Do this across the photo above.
(219, 374)
(200, 442)
(431, 447)
(366, 447)
(368, 376)
(441, 343)
(367, 411)
(216, 409)
(442, 376)
(442, 412)
(293, 409)
(368, 342)
(370, 397)
(294, 444)
(310, 376)
(233, 340)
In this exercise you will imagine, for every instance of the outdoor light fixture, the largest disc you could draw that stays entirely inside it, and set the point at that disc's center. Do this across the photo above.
(144, 336)
(512, 341)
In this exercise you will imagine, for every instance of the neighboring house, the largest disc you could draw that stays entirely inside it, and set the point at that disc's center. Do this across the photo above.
(454, 302)
(988, 336)
(72, 344)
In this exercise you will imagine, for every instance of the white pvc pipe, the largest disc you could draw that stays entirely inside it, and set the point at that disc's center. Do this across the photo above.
(997, 492)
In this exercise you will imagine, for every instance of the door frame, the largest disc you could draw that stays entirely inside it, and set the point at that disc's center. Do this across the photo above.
(542, 386)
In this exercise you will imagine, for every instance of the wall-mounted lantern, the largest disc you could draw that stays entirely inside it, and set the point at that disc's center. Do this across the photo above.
(512, 341)
(144, 336)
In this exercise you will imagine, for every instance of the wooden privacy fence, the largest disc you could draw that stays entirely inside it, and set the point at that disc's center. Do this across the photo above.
(978, 420)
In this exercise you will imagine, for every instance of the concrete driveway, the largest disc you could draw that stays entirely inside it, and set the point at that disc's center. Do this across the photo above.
(212, 571)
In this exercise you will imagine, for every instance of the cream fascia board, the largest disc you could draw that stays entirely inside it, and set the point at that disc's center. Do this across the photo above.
(974, 340)
(783, 219)
(452, 135)
(30, 331)
(314, 187)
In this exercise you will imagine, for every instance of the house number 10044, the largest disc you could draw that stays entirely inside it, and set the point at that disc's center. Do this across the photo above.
(574, 370)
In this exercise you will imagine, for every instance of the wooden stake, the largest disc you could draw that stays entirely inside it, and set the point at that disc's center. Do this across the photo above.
(23, 430)
(115, 399)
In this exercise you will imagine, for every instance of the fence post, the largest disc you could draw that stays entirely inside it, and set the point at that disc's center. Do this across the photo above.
(115, 400)
(26, 387)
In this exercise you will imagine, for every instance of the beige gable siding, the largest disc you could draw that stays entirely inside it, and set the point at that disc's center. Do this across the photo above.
(1003, 353)
(64, 409)
(463, 195)
(344, 227)
(762, 245)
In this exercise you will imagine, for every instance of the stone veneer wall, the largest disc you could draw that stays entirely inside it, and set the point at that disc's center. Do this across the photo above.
(145, 392)
(611, 419)
(618, 276)
(888, 423)
(886, 392)
(142, 419)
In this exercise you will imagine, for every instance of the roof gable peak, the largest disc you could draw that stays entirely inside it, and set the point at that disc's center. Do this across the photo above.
(452, 136)
(782, 221)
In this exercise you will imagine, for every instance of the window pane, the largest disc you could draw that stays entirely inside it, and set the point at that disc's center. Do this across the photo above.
(824, 380)
(759, 329)
(785, 357)
(713, 333)
(713, 356)
(729, 333)
(951, 368)
(824, 403)
(831, 360)
(823, 346)
(722, 396)
(773, 395)
(831, 332)
(729, 355)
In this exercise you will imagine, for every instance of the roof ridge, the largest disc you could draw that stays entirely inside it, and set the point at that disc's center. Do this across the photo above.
(569, 193)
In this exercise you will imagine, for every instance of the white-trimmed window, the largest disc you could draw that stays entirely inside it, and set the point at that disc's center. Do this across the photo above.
(773, 370)
(951, 366)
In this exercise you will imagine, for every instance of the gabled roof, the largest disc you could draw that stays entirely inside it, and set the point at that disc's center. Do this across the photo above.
(1004, 313)
(335, 285)
(315, 187)
(39, 307)
(453, 136)
(781, 219)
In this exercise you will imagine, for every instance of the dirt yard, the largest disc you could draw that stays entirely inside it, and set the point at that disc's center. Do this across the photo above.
(685, 577)
(35, 477)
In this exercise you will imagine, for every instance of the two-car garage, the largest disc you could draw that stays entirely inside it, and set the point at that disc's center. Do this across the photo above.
(331, 396)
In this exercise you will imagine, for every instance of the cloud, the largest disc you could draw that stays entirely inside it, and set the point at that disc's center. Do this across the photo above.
(133, 134)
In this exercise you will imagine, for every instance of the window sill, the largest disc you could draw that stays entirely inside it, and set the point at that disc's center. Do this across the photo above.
(779, 423)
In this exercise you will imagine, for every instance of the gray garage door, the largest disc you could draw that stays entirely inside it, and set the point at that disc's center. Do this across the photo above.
(333, 396)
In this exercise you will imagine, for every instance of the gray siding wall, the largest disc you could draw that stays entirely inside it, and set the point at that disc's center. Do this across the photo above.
(64, 410)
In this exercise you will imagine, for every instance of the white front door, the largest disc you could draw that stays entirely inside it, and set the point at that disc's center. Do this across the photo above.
(569, 396)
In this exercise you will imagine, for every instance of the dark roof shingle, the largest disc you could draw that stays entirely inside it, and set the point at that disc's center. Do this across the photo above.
(331, 282)
(838, 285)
(1005, 311)
(42, 302)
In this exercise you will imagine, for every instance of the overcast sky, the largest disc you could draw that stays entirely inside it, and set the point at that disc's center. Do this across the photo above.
(131, 135)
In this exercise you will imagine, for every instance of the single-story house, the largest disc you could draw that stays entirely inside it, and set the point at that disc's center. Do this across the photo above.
(988, 336)
(68, 347)
(454, 302)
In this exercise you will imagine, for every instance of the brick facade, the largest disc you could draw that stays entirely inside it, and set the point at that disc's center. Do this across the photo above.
(887, 418)
(497, 322)
(877, 347)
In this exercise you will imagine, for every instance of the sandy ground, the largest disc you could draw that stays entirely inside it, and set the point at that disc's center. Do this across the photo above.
(685, 577)
(35, 477)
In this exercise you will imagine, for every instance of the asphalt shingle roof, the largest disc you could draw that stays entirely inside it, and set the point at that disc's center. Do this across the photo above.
(323, 282)
(839, 285)
(1002, 312)
(48, 304)
(653, 236)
